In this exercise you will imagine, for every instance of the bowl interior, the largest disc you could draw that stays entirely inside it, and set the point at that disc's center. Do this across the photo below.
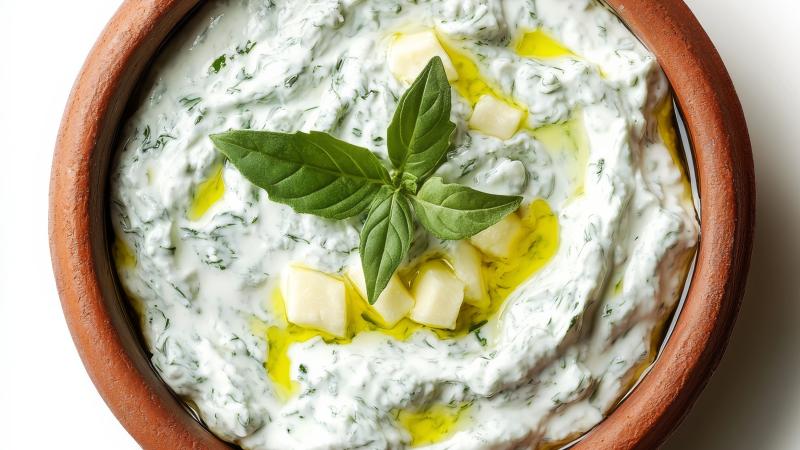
(115, 293)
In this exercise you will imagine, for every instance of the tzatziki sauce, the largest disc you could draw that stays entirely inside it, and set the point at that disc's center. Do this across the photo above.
(572, 318)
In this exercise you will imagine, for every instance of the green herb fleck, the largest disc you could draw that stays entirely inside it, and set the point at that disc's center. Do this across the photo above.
(246, 48)
(189, 102)
(481, 339)
(219, 63)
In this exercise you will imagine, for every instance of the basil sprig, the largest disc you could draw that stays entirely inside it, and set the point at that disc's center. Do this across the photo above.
(315, 173)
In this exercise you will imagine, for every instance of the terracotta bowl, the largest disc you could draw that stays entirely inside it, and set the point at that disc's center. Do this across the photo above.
(109, 345)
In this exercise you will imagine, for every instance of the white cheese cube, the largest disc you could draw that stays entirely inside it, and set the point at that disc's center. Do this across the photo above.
(438, 295)
(467, 264)
(410, 53)
(393, 303)
(495, 117)
(315, 300)
(501, 239)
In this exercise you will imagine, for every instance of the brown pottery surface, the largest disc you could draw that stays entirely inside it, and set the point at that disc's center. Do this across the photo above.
(109, 345)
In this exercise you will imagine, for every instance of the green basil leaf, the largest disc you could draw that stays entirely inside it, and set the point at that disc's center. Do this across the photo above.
(452, 211)
(385, 239)
(313, 172)
(420, 132)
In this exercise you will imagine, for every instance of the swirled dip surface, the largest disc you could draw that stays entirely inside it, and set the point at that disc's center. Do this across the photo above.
(200, 250)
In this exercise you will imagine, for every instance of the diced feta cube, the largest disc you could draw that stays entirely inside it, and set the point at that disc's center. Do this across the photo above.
(495, 117)
(393, 303)
(315, 300)
(501, 239)
(468, 266)
(438, 295)
(410, 53)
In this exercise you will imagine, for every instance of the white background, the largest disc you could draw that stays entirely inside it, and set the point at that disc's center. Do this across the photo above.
(48, 401)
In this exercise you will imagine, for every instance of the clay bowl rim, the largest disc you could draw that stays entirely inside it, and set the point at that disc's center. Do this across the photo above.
(119, 367)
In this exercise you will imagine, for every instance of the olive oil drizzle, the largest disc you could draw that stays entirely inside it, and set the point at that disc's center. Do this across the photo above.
(539, 44)
(433, 424)
(207, 194)
(537, 248)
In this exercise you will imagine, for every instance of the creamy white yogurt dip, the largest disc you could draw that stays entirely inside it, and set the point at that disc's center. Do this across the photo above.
(575, 314)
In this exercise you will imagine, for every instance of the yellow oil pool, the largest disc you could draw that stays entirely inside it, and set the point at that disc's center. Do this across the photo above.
(471, 83)
(207, 193)
(538, 44)
(567, 139)
(665, 117)
(122, 254)
(537, 249)
(433, 424)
